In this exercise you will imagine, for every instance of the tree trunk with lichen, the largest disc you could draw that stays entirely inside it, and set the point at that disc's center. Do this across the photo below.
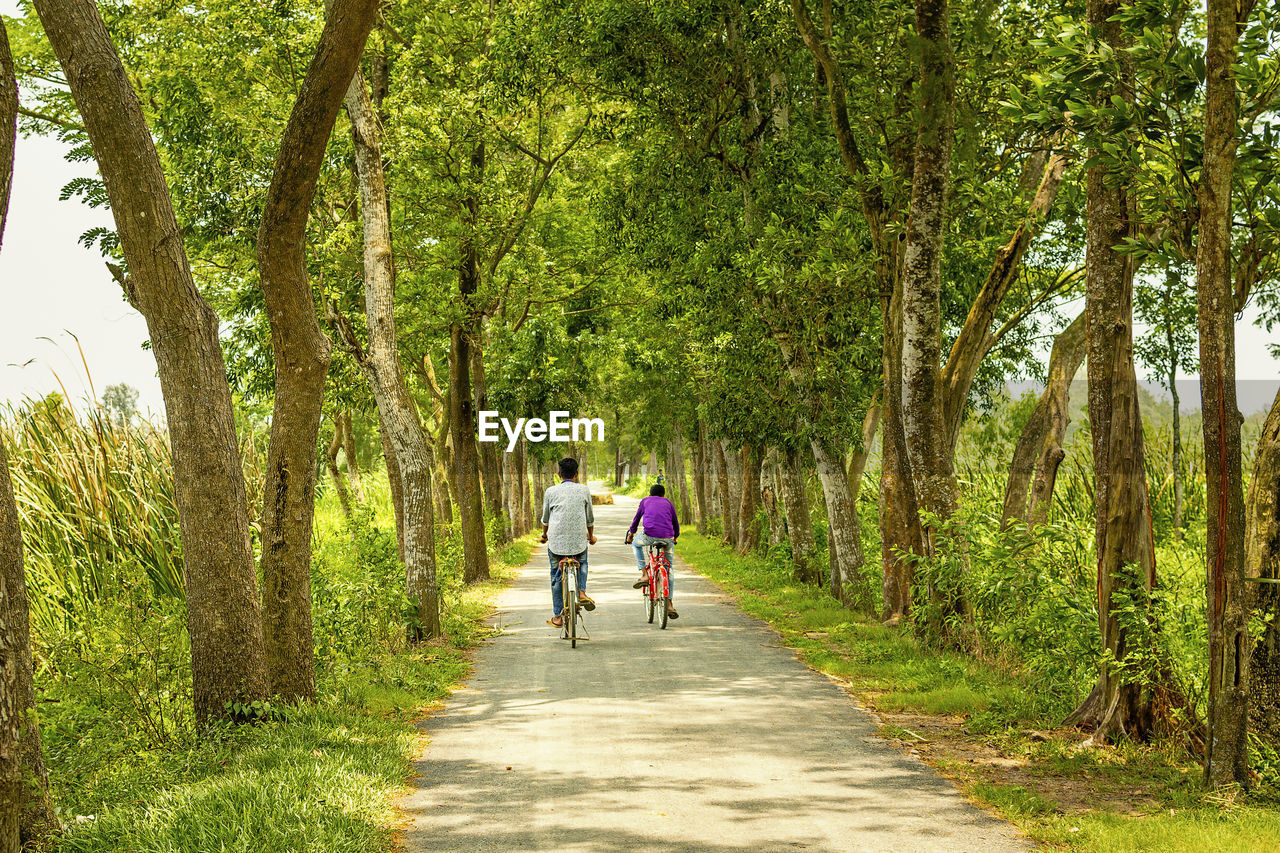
(1227, 752)
(1119, 704)
(331, 463)
(795, 503)
(407, 445)
(300, 350)
(1262, 559)
(349, 450)
(223, 614)
(729, 497)
(923, 405)
(1039, 450)
(748, 516)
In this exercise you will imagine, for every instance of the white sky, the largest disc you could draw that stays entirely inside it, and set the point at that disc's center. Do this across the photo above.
(53, 288)
(51, 285)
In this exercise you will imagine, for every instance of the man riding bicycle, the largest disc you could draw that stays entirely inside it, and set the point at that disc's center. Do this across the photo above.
(567, 525)
(661, 527)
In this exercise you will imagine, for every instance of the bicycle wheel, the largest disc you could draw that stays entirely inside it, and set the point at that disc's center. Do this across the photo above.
(571, 607)
(648, 602)
(663, 606)
(572, 622)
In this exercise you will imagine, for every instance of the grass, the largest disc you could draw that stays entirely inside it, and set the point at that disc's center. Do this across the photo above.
(323, 777)
(988, 727)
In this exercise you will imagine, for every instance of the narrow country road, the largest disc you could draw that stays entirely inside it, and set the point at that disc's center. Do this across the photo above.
(708, 736)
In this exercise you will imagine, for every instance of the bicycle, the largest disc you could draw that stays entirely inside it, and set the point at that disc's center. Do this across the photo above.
(571, 616)
(657, 592)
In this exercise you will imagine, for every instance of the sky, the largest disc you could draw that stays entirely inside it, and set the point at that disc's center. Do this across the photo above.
(57, 291)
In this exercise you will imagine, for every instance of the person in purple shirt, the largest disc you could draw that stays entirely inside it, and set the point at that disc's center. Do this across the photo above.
(661, 526)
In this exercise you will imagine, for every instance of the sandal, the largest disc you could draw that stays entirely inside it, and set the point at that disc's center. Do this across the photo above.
(671, 612)
(556, 622)
(642, 583)
(586, 603)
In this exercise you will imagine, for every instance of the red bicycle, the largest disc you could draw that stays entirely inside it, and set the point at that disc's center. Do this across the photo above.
(657, 592)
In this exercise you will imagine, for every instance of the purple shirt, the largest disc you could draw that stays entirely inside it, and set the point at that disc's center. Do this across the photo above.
(660, 520)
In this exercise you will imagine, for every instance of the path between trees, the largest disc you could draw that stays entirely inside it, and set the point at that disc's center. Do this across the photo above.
(708, 736)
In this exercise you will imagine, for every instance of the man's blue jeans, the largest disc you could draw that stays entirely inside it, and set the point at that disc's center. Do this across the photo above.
(557, 583)
(639, 543)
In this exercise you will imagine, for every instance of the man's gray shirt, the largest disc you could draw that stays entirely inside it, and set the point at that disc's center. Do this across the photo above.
(566, 509)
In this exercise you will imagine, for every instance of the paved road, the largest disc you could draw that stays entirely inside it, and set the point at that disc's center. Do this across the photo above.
(708, 736)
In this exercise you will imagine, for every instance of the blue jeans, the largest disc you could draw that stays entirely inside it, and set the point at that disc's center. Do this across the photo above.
(638, 544)
(557, 583)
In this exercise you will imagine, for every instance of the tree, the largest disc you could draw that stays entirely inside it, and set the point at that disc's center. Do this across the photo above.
(1167, 348)
(380, 363)
(1262, 556)
(26, 814)
(301, 351)
(224, 620)
(1226, 753)
(1039, 449)
(121, 402)
(1119, 703)
(924, 413)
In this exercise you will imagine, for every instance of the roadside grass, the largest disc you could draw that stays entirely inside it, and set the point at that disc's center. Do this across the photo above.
(322, 777)
(990, 728)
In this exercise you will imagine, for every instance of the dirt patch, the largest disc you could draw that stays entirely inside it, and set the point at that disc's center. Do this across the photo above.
(942, 743)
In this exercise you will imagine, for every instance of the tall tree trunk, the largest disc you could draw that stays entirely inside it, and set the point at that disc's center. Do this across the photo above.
(490, 466)
(463, 338)
(1125, 552)
(526, 502)
(858, 467)
(1175, 457)
(769, 498)
(395, 485)
(748, 517)
(842, 519)
(901, 535)
(466, 460)
(795, 503)
(678, 472)
(539, 489)
(715, 471)
(923, 405)
(728, 508)
(26, 814)
(349, 450)
(700, 478)
(858, 462)
(331, 462)
(1056, 400)
(1044, 171)
(444, 452)
(900, 532)
(511, 494)
(224, 620)
(301, 351)
(618, 465)
(1262, 555)
(1039, 449)
(408, 444)
(1226, 755)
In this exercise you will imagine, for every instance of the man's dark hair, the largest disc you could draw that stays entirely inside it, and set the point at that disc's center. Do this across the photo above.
(568, 467)
(658, 490)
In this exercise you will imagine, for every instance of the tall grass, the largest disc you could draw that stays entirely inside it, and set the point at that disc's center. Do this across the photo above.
(95, 494)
